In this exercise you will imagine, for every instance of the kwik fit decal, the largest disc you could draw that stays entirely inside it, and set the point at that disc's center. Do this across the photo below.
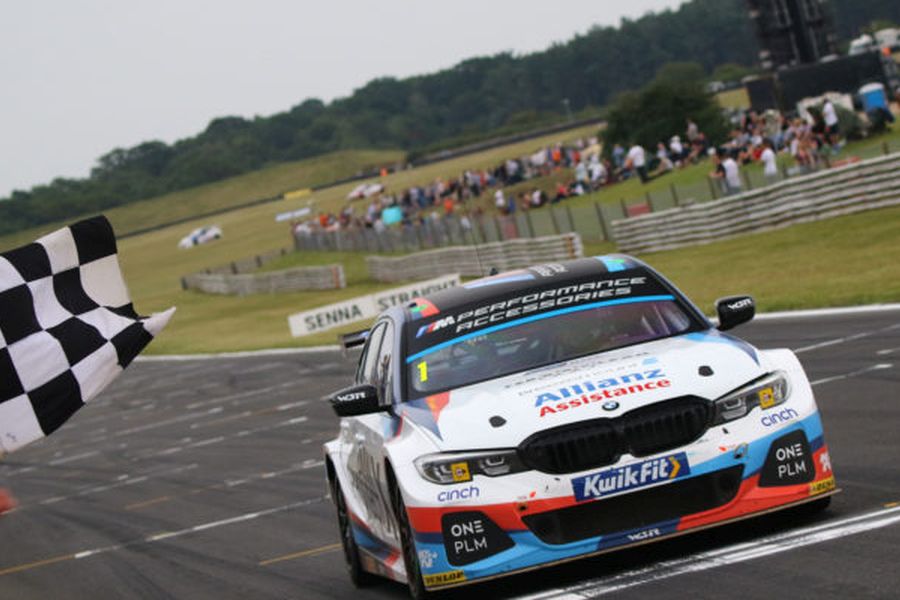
(620, 479)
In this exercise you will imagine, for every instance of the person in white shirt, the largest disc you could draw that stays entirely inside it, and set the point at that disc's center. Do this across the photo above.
(832, 129)
(732, 175)
(770, 168)
(637, 160)
(677, 149)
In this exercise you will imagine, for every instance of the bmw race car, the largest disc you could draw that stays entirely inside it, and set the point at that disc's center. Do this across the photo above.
(556, 412)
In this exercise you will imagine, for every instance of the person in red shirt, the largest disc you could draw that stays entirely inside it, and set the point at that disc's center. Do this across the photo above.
(7, 502)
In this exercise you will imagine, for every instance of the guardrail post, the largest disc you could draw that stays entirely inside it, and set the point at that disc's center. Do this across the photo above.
(602, 219)
(571, 220)
(885, 148)
(712, 188)
(624, 207)
(747, 182)
(530, 224)
(553, 218)
(650, 202)
(674, 193)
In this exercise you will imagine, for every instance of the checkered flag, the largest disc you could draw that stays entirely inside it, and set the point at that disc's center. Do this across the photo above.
(67, 328)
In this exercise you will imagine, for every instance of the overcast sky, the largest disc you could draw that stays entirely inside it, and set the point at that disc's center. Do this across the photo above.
(81, 77)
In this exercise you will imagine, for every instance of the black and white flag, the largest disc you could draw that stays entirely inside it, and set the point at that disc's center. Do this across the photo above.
(67, 328)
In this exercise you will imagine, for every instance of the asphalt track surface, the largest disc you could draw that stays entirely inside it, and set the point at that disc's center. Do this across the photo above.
(203, 479)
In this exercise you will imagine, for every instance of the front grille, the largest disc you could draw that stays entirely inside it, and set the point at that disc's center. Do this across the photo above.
(636, 510)
(599, 442)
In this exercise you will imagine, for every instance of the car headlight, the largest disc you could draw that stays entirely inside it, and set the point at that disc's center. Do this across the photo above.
(457, 468)
(771, 390)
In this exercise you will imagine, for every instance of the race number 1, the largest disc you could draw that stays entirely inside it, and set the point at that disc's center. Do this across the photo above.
(423, 371)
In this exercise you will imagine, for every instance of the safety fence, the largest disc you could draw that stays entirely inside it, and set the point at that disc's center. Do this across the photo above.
(588, 216)
(326, 277)
(866, 185)
(470, 261)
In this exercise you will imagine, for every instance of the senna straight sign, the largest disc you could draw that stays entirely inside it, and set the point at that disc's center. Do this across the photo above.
(364, 307)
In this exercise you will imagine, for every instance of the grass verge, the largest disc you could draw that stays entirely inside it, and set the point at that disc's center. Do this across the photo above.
(838, 262)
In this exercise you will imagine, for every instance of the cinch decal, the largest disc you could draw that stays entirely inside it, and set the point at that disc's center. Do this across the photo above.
(620, 479)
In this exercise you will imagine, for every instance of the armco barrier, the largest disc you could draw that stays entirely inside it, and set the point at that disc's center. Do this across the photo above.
(467, 261)
(327, 277)
(867, 185)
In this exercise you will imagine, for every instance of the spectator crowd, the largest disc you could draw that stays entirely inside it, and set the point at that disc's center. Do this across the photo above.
(579, 168)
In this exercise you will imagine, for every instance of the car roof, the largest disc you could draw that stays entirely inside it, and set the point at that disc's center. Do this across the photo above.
(510, 282)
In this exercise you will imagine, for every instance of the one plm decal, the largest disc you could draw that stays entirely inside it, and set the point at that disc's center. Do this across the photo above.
(629, 477)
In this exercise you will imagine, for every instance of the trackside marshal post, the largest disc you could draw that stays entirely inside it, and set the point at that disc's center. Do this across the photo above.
(365, 307)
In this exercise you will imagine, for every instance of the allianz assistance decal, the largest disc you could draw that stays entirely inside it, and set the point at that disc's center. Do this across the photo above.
(620, 479)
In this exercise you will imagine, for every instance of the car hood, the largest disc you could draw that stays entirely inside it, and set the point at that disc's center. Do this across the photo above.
(502, 412)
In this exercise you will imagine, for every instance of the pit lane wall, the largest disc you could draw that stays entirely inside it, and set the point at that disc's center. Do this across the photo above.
(469, 262)
(867, 185)
(326, 277)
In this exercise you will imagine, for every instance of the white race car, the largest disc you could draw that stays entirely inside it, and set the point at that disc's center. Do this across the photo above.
(201, 235)
(556, 412)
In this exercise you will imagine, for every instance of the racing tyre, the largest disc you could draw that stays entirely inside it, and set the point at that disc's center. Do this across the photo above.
(358, 575)
(815, 507)
(410, 560)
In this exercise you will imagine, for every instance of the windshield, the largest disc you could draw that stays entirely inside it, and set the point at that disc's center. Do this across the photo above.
(543, 339)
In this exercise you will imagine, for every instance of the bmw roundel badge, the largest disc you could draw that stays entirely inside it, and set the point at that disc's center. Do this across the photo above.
(611, 405)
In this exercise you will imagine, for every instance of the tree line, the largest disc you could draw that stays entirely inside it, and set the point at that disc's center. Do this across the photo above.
(476, 98)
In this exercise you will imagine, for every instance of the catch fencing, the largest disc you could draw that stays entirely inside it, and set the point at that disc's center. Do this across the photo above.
(866, 185)
(475, 262)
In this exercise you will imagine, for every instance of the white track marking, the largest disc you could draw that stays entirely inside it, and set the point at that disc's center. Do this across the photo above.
(877, 367)
(167, 535)
(828, 312)
(724, 556)
(247, 354)
(841, 340)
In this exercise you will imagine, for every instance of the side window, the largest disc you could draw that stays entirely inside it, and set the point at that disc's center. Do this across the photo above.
(368, 361)
(383, 369)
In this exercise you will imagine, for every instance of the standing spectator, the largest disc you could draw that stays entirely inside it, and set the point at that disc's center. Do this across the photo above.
(732, 175)
(692, 131)
(637, 161)
(770, 168)
(665, 163)
(618, 155)
(581, 173)
(500, 201)
(598, 172)
(677, 150)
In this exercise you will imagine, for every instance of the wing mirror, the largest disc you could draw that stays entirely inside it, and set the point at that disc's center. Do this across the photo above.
(734, 310)
(357, 400)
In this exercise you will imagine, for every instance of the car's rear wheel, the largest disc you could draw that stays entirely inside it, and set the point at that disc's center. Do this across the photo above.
(408, 547)
(359, 576)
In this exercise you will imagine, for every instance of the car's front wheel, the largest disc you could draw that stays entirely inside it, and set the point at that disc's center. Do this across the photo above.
(410, 559)
(359, 576)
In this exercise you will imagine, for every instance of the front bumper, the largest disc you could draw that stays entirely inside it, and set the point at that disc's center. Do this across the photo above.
(469, 541)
